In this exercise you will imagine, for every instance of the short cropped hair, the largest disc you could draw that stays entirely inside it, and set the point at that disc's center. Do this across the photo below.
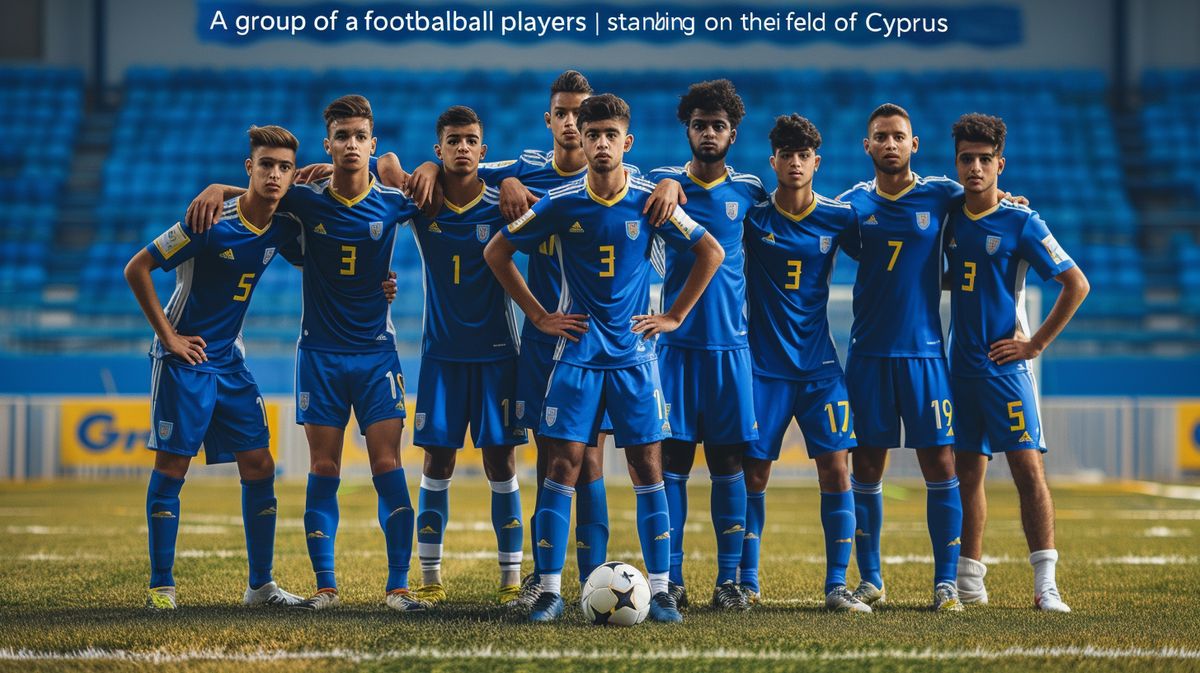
(793, 132)
(570, 81)
(980, 128)
(889, 110)
(346, 107)
(601, 108)
(272, 136)
(712, 96)
(457, 115)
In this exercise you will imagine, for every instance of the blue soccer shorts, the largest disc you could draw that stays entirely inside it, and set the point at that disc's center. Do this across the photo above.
(821, 409)
(328, 385)
(997, 414)
(709, 394)
(535, 363)
(887, 391)
(223, 411)
(454, 395)
(578, 397)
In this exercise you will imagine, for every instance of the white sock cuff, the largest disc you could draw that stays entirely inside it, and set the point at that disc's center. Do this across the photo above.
(504, 486)
(551, 583)
(431, 484)
(970, 567)
(1043, 555)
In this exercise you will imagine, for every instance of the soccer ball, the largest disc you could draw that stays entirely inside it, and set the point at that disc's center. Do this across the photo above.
(615, 593)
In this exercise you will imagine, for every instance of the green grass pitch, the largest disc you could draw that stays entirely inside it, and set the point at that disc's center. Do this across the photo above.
(75, 567)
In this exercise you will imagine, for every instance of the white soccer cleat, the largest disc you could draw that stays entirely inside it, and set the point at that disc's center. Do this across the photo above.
(870, 594)
(945, 598)
(841, 600)
(1050, 601)
(322, 600)
(161, 598)
(270, 594)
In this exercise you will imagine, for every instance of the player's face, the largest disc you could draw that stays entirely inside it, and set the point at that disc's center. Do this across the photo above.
(461, 149)
(564, 108)
(605, 143)
(978, 166)
(794, 169)
(350, 143)
(710, 134)
(271, 171)
(891, 144)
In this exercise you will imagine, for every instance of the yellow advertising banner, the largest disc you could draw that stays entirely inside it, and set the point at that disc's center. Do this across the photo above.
(1187, 423)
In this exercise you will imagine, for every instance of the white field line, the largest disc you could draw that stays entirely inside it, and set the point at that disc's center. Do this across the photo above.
(679, 654)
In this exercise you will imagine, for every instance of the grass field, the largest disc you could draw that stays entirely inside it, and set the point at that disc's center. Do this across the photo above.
(76, 566)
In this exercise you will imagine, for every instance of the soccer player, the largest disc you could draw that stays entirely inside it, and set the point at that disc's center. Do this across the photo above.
(201, 389)
(705, 364)
(346, 356)
(468, 357)
(992, 245)
(791, 245)
(604, 246)
(897, 369)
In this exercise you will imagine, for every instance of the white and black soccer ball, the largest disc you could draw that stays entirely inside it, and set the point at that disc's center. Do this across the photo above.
(616, 593)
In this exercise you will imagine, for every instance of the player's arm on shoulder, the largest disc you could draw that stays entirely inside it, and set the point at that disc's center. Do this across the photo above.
(424, 186)
(667, 196)
(515, 198)
(190, 349)
(709, 255)
(205, 210)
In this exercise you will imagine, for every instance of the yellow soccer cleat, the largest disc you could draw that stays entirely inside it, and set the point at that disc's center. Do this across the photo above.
(430, 594)
(509, 596)
(161, 598)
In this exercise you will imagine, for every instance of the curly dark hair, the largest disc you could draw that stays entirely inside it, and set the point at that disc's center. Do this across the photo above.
(980, 128)
(793, 132)
(712, 96)
(603, 107)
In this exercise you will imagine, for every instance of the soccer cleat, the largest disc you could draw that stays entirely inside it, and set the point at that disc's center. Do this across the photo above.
(430, 594)
(728, 596)
(161, 598)
(322, 600)
(841, 600)
(664, 609)
(945, 598)
(1050, 601)
(531, 588)
(752, 595)
(679, 593)
(549, 607)
(270, 594)
(870, 594)
(509, 596)
(402, 600)
(969, 597)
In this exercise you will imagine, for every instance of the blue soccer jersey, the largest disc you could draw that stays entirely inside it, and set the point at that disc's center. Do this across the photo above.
(990, 255)
(898, 245)
(790, 260)
(347, 254)
(215, 274)
(607, 245)
(718, 322)
(468, 317)
(538, 172)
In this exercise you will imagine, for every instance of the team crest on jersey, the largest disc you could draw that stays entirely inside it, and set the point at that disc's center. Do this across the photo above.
(551, 415)
(304, 401)
(826, 244)
(419, 421)
(992, 244)
(267, 255)
(731, 209)
(165, 428)
(632, 229)
(376, 230)
(483, 232)
(519, 408)
(923, 220)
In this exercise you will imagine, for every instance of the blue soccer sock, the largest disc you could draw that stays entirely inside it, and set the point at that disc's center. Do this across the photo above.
(654, 532)
(591, 527)
(756, 513)
(506, 521)
(943, 511)
(258, 519)
(868, 521)
(320, 526)
(553, 519)
(677, 509)
(728, 507)
(537, 504)
(837, 519)
(162, 520)
(433, 512)
(396, 520)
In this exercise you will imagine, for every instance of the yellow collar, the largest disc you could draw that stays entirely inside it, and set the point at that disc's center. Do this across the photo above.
(247, 223)
(464, 208)
(350, 202)
(615, 199)
(706, 185)
(897, 195)
(973, 217)
(795, 217)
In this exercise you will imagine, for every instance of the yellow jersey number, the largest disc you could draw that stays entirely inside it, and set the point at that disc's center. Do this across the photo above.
(350, 261)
